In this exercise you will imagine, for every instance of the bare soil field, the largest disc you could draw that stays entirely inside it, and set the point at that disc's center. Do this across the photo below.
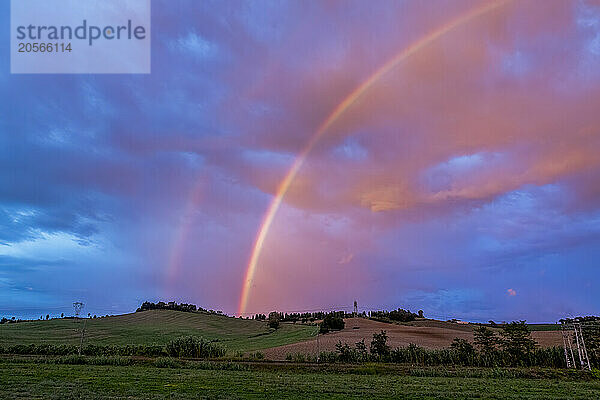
(429, 334)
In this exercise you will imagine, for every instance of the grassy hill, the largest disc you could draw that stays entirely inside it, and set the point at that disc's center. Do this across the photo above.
(156, 327)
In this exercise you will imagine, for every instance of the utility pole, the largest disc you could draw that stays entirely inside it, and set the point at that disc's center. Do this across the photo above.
(82, 335)
(318, 348)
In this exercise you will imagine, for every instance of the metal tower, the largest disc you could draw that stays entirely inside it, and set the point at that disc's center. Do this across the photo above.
(577, 338)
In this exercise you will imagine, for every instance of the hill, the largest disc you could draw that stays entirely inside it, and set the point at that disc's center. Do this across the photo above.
(429, 334)
(156, 327)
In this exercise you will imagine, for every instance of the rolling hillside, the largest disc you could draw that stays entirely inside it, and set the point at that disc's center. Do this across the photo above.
(430, 334)
(156, 327)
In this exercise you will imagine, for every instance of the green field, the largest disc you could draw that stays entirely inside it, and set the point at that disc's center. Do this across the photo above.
(156, 327)
(33, 380)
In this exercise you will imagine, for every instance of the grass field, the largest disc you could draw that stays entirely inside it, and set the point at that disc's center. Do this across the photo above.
(32, 380)
(156, 327)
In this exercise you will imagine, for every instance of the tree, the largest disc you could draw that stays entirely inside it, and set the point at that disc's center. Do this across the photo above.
(47, 317)
(62, 315)
(332, 322)
(485, 340)
(274, 320)
(516, 339)
(379, 345)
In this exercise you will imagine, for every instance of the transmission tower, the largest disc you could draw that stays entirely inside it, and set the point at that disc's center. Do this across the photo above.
(77, 307)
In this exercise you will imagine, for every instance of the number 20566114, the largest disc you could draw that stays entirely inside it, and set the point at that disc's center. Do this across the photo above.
(44, 47)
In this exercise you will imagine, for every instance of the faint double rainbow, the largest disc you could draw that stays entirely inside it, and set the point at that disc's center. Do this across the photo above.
(335, 114)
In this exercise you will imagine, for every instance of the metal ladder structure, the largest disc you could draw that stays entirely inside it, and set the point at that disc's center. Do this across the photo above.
(577, 338)
(567, 347)
(583, 355)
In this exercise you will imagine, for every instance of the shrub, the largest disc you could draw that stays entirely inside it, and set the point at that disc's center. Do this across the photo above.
(299, 357)
(379, 347)
(72, 359)
(352, 355)
(465, 351)
(194, 347)
(112, 360)
(485, 340)
(516, 340)
(167, 362)
(331, 322)
(327, 357)
(238, 354)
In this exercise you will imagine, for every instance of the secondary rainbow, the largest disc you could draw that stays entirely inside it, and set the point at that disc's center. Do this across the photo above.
(335, 114)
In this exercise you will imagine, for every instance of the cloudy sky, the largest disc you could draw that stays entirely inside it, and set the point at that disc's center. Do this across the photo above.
(464, 182)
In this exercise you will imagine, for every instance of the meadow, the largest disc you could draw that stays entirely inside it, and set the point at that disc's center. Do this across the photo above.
(25, 379)
(112, 368)
(156, 327)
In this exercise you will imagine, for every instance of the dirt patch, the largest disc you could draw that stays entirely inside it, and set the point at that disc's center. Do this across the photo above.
(434, 335)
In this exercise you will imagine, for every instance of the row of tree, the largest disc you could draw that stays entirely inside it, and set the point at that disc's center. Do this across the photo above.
(295, 317)
(331, 321)
(399, 315)
(161, 305)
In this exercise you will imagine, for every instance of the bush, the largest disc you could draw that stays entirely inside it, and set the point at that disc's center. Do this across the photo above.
(331, 322)
(116, 361)
(516, 340)
(299, 357)
(485, 340)
(465, 351)
(194, 347)
(352, 355)
(167, 362)
(379, 347)
(71, 360)
(328, 357)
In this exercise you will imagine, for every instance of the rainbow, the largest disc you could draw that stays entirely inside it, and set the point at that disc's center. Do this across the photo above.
(182, 233)
(335, 114)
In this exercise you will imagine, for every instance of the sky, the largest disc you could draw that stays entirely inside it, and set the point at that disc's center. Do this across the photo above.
(464, 182)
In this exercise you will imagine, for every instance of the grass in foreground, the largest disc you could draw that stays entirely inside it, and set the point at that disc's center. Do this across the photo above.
(32, 380)
(156, 327)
